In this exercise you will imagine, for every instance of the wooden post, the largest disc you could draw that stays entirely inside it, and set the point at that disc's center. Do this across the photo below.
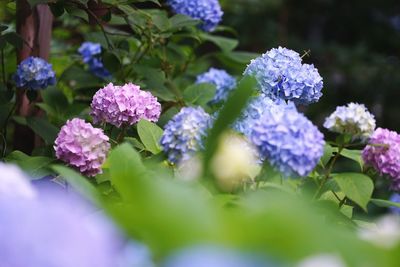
(35, 26)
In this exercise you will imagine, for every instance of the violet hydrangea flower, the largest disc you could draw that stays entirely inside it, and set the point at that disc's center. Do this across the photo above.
(207, 11)
(288, 140)
(383, 154)
(81, 145)
(34, 73)
(183, 134)
(55, 230)
(281, 75)
(395, 197)
(124, 105)
(353, 119)
(91, 53)
(14, 183)
(223, 82)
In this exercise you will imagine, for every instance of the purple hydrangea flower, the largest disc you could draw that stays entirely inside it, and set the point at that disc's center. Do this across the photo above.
(14, 183)
(207, 11)
(34, 73)
(288, 140)
(214, 256)
(396, 199)
(281, 75)
(55, 230)
(183, 134)
(81, 145)
(124, 105)
(91, 53)
(254, 111)
(383, 153)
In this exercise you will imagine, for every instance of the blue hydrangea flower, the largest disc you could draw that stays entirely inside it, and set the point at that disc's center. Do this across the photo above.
(254, 111)
(214, 256)
(55, 230)
(395, 198)
(90, 53)
(281, 75)
(288, 140)
(207, 11)
(184, 133)
(34, 73)
(223, 82)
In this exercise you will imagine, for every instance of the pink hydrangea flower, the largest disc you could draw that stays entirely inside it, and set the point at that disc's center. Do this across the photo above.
(81, 145)
(124, 105)
(383, 153)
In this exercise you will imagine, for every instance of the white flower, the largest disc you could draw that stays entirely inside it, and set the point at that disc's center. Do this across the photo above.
(322, 260)
(14, 183)
(353, 119)
(386, 232)
(235, 161)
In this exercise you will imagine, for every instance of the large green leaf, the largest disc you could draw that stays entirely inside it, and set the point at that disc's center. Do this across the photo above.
(357, 187)
(199, 94)
(78, 182)
(43, 128)
(385, 203)
(226, 44)
(353, 155)
(35, 167)
(150, 135)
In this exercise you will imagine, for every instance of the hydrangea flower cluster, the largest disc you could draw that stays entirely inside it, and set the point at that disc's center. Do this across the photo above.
(396, 199)
(55, 230)
(255, 110)
(288, 140)
(207, 11)
(353, 119)
(184, 133)
(383, 153)
(124, 105)
(90, 53)
(224, 83)
(34, 73)
(81, 145)
(14, 183)
(281, 75)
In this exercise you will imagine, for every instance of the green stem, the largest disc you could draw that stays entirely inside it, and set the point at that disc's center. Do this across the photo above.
(328, 172)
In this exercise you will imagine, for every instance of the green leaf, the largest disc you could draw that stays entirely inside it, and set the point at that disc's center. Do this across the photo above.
(179, 21)
(135, 143)
(226, 44)
(150, 135)
(57, 9)
(78, 182)
(328, 154)
(35, 167)
(3, 27)
(353, 155)
(357, 187)
(111, 61)
(43, 128)
(199, 94)
(385, 203)
(14, 39)
(77, 12)
(229, 112)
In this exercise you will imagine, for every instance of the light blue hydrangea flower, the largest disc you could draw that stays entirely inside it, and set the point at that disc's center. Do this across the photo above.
(207, 11)
(281, 75)
(396, 199)
(223, 82)
(34, 73)
(288, 140)
(184, 133)
(91, 53)
(254, 111)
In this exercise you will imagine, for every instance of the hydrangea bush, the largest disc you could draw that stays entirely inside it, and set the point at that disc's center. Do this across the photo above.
(168, 147)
